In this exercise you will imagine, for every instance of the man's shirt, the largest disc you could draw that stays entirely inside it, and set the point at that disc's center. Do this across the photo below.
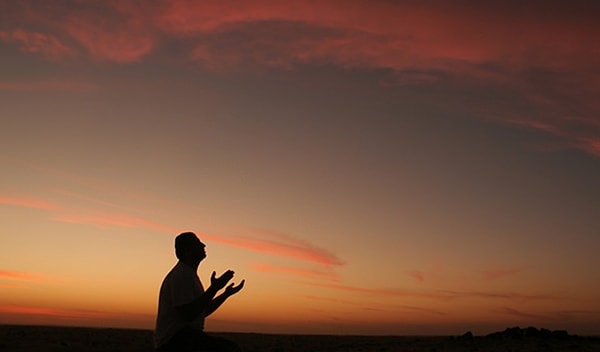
(181, 286)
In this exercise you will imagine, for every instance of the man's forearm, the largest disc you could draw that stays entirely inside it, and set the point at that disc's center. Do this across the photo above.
(191, 310)
(203, 302)
(215, 304)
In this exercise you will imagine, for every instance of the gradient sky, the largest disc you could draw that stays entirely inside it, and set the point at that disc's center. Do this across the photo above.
(369, 167)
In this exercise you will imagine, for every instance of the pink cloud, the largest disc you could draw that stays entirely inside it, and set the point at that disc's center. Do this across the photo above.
(281, 246)
(104, 219)
(495, 273)
(108, 39)
(419, 43)
(319, 255)
(498, 45)
(37, 43)
(592, 146)
(563, 106)
(386, 35)
(89, 216)
(290, 249)
(284, 248)
(302, 272)
(26, 202)
(27, 86)
(101, 187)
(275, 244)
(571, 135)
(397, 35)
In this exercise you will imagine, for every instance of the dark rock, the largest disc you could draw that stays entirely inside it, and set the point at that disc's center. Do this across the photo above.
(530, 332)
(468, 336)
(513, 333)
(561, 334)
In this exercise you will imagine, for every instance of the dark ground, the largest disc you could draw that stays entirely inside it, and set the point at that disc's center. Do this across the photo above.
(63, 339)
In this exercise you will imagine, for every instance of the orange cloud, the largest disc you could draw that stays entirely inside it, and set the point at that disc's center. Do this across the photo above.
(22, 276)
(10, 285)
(55, 312)
(26, 277)
(384, 307)
(574, 314)
(334, 300)
(520, 314)
(421, 310)
(302, 272)
(36, 315)
(434, 294)
(417, 275)
(492, 274)
(399, 292)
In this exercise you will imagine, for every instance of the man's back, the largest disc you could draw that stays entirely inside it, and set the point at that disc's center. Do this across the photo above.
(181, 286)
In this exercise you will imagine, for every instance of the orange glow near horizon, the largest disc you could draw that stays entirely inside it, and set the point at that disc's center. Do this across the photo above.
(367, 167)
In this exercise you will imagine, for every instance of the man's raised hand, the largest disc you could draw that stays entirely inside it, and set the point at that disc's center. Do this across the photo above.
(232, 289)
(221, 281)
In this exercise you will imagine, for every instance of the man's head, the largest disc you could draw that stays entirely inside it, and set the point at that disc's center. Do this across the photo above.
(188, 248)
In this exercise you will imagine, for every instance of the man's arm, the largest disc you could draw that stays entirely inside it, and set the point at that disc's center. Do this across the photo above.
(216, 303)
(191, 310)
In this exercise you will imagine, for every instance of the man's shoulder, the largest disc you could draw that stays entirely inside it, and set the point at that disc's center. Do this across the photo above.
(181, 284)
(180, 270)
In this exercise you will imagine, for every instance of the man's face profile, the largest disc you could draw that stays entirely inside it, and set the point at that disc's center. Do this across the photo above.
(188, 245)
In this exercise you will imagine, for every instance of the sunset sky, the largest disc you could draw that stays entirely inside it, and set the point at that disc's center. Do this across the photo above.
(369, 167)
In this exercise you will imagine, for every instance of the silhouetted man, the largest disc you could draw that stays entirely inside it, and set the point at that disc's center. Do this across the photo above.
(183, 303)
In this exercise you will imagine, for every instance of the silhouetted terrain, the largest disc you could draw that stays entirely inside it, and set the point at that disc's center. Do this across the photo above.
(62, 339)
